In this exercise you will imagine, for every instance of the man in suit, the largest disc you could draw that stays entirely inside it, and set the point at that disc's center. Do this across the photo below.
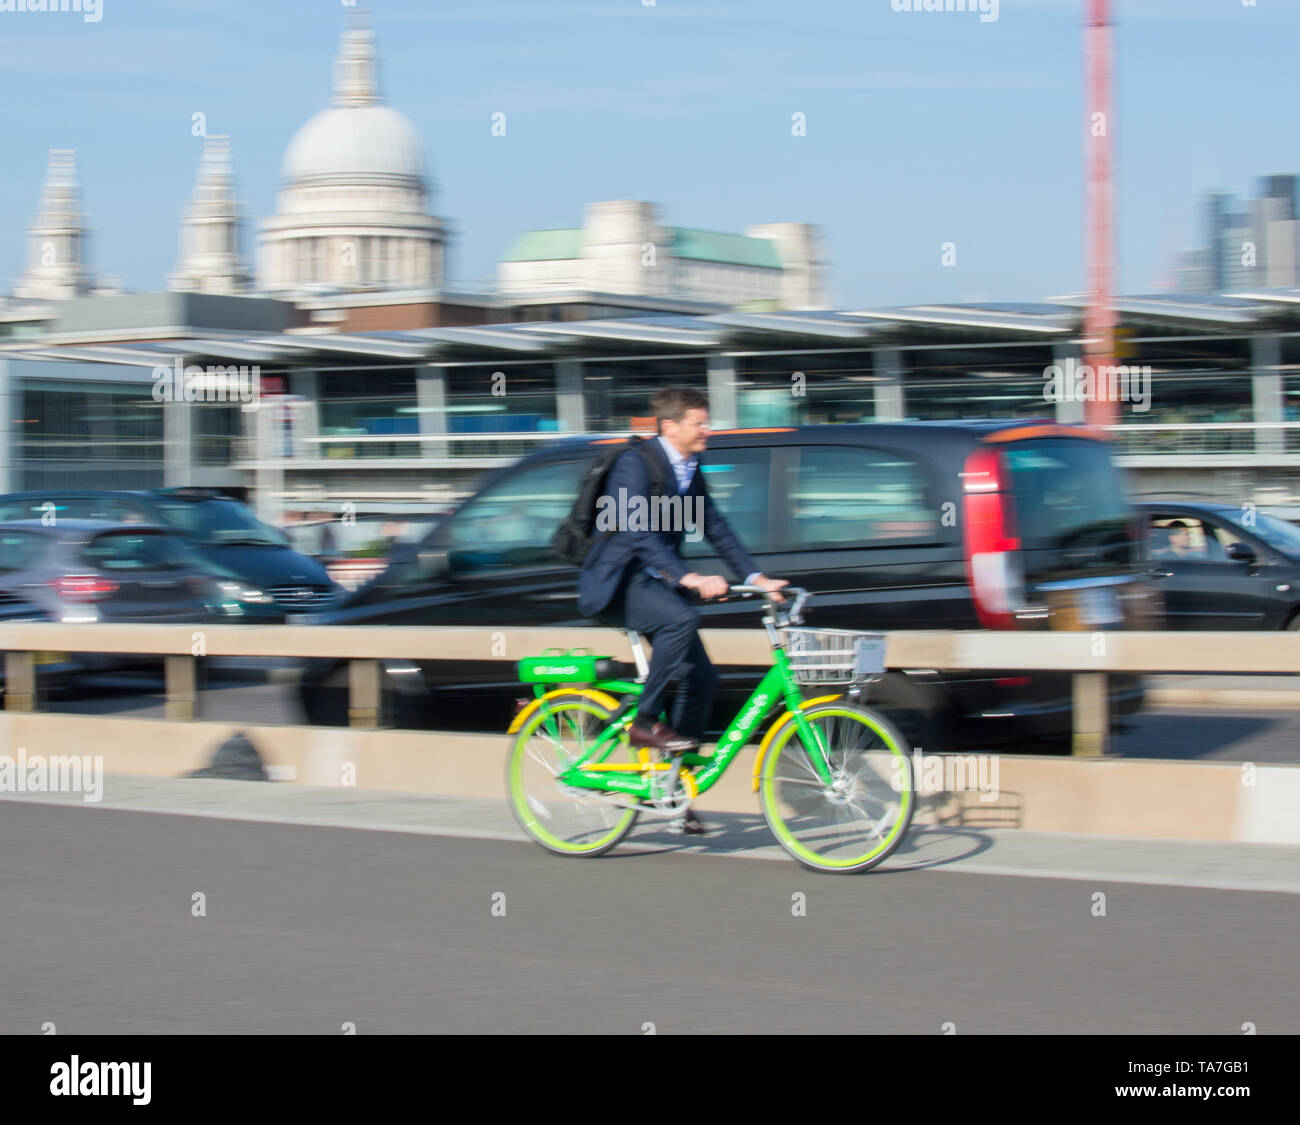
(635, 578)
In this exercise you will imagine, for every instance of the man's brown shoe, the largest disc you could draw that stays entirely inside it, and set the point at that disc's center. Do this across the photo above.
(661, 737)
(688, 824)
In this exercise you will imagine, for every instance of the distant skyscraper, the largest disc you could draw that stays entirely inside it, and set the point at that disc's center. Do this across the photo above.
(1217, 205)
(1246, 247)
(56, 240)
(1280, 187)
(1192, 273)
(1276, 230)
(210, 260)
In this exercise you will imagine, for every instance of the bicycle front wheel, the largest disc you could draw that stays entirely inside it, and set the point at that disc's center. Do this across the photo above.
(561, 818)
(852, 821)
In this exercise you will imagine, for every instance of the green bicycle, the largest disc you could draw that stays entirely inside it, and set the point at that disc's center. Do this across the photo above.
(834, 778)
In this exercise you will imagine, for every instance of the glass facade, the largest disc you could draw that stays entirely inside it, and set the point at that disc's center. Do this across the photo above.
(74, 422)
(618, 392)
(505, 399)
(1180, 400)
(217, 432)
(950, 384)
(976, 396)
(1291, 411)
(805, 389)
(477, 399)
(367, 402)
(68, 434)
(501, 400)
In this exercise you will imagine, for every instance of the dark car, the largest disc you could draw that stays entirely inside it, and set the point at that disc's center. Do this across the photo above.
(1004, 525)
(86, 571)
(224, 531)
(1220, 566)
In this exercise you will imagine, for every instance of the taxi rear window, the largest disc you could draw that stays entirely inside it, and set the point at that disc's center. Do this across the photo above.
(1068, 493)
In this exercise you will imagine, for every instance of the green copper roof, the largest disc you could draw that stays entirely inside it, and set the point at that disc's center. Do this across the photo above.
(545, 246)
(734, 249)
(699, 245)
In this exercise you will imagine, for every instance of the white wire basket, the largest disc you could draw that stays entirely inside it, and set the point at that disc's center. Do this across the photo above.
(834, 656)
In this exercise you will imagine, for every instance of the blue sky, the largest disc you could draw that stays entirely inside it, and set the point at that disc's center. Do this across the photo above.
(922, 128)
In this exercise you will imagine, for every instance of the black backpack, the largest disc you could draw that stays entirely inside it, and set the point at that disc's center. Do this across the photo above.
(574, 537)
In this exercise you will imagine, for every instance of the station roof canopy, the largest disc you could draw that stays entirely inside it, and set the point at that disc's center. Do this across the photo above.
(1041, 319)
(131, 355)
(491, 337)
(674, 331)
(1181, 309)
(681, 333)
(390, 346)
(828, 325)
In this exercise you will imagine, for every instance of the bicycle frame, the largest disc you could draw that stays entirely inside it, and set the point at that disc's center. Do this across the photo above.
(595, 771)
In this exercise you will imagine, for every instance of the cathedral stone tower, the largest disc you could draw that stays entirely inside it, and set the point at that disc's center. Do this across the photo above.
(56, 241)
(210, 231)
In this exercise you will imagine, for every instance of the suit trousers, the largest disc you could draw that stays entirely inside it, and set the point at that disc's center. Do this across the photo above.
(663, 614)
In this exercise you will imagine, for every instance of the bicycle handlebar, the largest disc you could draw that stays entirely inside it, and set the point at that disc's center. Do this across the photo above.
(795, 611)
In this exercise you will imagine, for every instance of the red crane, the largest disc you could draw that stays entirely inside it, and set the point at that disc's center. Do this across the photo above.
(1099, 314)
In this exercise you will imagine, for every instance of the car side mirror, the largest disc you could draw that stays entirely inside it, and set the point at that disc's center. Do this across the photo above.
(1240, 552)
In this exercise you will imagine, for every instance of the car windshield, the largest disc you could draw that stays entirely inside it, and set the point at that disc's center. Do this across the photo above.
(1275, 532)
(220, 523)
(511, 522)
(135, 550)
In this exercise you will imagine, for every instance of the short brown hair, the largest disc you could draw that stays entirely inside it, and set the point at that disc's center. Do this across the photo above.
(672, 403)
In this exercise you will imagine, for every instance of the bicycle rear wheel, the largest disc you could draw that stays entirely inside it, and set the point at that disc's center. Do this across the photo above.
(561, 818)
(857, 820)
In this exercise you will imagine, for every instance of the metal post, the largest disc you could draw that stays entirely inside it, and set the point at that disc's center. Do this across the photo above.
(723, 408)
(20, 681)
(1267, 398)
(571, 408)
(181, 690)
(266, 422)
(1067, 409)
(431, 398)
(305, 384)
(363, 693)
(11, 402)
(1091, 715)
(178, 441)
(890, 405)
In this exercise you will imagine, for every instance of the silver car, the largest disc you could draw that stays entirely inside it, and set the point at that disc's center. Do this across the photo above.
(96, 570)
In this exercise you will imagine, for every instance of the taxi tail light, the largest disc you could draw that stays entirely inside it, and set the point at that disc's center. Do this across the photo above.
(990, 540)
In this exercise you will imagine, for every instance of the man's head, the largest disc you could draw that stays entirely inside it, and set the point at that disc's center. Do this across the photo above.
(1180, 536)
(682, 418)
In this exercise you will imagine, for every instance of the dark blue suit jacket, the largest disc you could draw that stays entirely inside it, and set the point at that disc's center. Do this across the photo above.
(615, 554)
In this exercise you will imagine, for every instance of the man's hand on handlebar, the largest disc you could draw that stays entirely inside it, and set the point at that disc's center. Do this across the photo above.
(715, 586)
(771, 585)
(706, 585)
